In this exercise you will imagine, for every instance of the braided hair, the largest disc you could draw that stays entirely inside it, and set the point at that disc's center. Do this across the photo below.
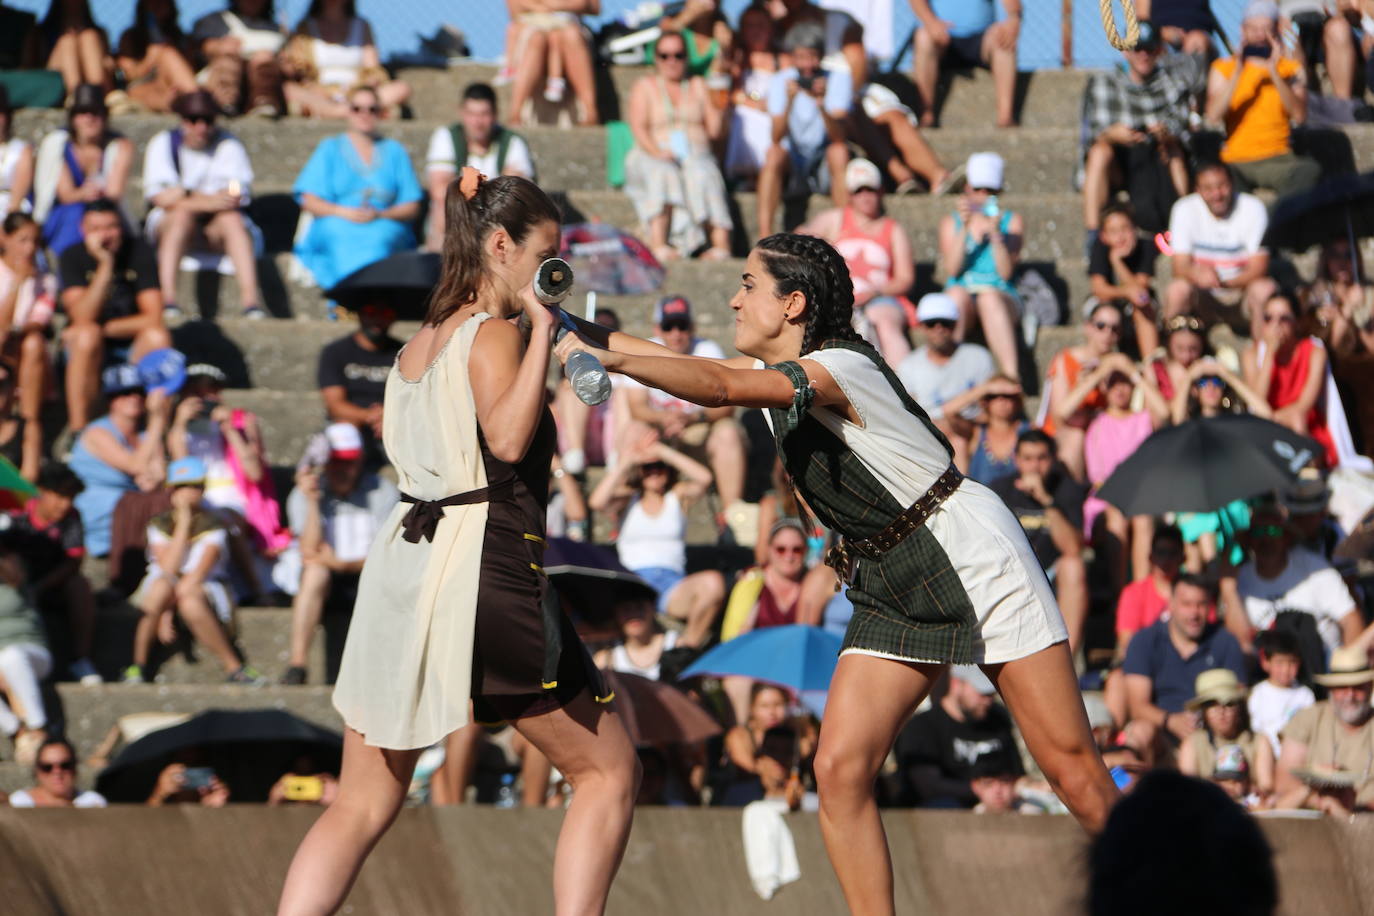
(811, 266)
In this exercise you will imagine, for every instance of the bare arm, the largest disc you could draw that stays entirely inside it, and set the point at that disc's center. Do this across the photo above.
(23, 179)
(123, 162)
(1006, 249)
(613, 487)
(1254, 403)
(952, 242)
(825, 225)
(508, 386)
(171, 555)
(1140, 700)
(337, 406)
(1219, 92)
(1256, 266)
(1154, 401)
(903, 265)
(696, 477)
(1087, 384)
(149, 315)
(713, 116)
(1351, 626)
(438, 190)
(1289, 792)
(1236, 619)
(641, 102)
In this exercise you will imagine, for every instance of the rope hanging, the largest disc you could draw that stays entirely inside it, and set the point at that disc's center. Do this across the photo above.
(1109, 24)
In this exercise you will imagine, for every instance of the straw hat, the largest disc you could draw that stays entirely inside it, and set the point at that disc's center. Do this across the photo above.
(1218, 685)
(1349, 667)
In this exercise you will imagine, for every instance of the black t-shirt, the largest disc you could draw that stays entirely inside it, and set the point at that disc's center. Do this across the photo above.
(135, 270)
(360, 371)
(1141, 260)
(933, 739)
(42, 546)
(1068, 497)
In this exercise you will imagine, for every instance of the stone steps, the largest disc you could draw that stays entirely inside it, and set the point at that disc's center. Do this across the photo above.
(262, 634)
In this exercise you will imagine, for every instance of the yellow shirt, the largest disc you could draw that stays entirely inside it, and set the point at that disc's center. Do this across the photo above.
(1256, 125)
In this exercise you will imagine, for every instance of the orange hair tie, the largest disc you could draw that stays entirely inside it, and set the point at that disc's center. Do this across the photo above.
(469, 181)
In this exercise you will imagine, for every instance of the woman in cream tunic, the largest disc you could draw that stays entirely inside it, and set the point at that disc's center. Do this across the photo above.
(451, 605)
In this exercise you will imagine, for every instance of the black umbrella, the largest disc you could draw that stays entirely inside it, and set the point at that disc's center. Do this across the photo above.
(1202, 465)
(403, 281)
(591, 579)
(248, 750)
(1338, 208)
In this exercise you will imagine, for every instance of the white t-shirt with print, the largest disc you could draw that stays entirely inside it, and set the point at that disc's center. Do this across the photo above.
(1271, 707)
(442, 156)
(1226, 243)
(1308, 583)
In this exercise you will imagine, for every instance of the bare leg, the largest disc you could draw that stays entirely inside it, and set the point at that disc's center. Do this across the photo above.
(889, 321)
(1178, 298)
(173, 238)
(200, 619)
(33, 375)
(926, 73)
(85, 349)
(964, 301)
(836, 158)
(1002, 63)
(915, 151)
(157, 597)
(737, 690)
(372, 788)
(528, 72)
(449, 784)
(1142, 532)
(228, 232)
(573, 417)
(587, 742)
(1120, 531)
(1339, 43)
(64, 60)
(1097, 169)
(1114, 694)
(1070, 441)
(725, 451)
(870, 698)
(658, 235)
(1042, 694)
(775, 165)
(96, 66)
(577, 63)
(1252, 304)
(535, 773)
(697, 600)
(393, 93)
(995, 315)
(306, 611)
(1071, 590)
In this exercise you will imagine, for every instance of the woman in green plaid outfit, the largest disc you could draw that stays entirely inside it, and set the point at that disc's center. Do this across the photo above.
(963, 587)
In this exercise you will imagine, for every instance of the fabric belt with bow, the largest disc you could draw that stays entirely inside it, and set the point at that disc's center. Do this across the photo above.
(422, 520)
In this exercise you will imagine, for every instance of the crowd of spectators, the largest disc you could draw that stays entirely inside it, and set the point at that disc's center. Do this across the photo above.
(1235, 644)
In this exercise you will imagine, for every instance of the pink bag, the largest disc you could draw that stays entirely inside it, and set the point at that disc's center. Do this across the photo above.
(261, 509)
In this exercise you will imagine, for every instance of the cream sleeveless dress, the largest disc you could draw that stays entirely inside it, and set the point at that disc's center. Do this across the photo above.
(406, 674)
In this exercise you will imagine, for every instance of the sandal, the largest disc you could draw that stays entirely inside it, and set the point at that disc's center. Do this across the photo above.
(715, 254)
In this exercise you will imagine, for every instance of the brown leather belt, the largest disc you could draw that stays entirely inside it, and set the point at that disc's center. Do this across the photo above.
(873, 548)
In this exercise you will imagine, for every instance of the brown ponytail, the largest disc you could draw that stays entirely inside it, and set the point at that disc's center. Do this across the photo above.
(514, 204)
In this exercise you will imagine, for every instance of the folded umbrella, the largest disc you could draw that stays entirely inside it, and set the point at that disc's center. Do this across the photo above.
(14, 489)
(797, 656)
(403, 281)
(656, 714)
(249, 750)
(1204, 464)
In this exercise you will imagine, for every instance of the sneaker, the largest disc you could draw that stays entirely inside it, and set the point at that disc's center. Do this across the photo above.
(293, 677)
(133, 675)
(247, 676)
(85, 673)
(574, 461)
(172, 313)
(952, 180)
(554, 90)
(264, 110)
(254, 312)
(908, 187)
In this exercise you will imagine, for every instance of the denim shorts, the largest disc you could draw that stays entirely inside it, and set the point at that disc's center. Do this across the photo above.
(663, 579)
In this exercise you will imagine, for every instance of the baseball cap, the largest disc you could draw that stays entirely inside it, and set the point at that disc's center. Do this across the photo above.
(1149, 37)
(206, 370)
(974, 677)
(88, 98)
(860, 173)
(1261, 9)
(197, 104)
(936, 307)
(188, 471)
(1308, 495)
(672, 307)
(985, 171)
(163, 370)
(345, 442)
(121, 378)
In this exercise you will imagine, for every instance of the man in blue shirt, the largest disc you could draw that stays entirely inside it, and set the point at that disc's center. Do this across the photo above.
(809, 105)
(1162, 665)
(968, 31)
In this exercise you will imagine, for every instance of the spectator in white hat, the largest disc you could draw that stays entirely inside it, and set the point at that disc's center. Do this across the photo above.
(335, 511)
(878, 253)
(1327, 756)
(980, 244)
(942, 369)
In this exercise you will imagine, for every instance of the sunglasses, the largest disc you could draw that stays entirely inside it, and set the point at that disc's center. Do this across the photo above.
(1001, 397)
(655, 467)
(1267, 531)
(938, 323)
(784, 551)
(1210, 380)
(676, 324)
(366, 109)
(201, 119)
(1112, 327)
(1278, 319)
(69, 765)
(985, 190)
(672, 55)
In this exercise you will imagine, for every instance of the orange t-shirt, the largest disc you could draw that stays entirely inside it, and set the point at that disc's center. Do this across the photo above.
(1256, 125)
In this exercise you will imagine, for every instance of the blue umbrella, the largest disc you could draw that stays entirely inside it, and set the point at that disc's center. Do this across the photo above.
(796, 656)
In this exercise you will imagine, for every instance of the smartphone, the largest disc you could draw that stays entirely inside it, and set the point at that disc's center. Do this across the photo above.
(1261, 51)
(804, 83)
(991, 208)
(303, 788)
(197, 778)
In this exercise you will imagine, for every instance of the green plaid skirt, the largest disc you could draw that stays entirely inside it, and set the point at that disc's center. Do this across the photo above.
(911, 605)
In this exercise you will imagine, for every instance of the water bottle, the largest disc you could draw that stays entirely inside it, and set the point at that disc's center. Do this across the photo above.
(505, 796)
(588, 378)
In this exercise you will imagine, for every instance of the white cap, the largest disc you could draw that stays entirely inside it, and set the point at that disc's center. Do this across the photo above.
(344, 441)
(974, 677)
(984, 170)
(860, 173)
(936, 306)
(1261, 9)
